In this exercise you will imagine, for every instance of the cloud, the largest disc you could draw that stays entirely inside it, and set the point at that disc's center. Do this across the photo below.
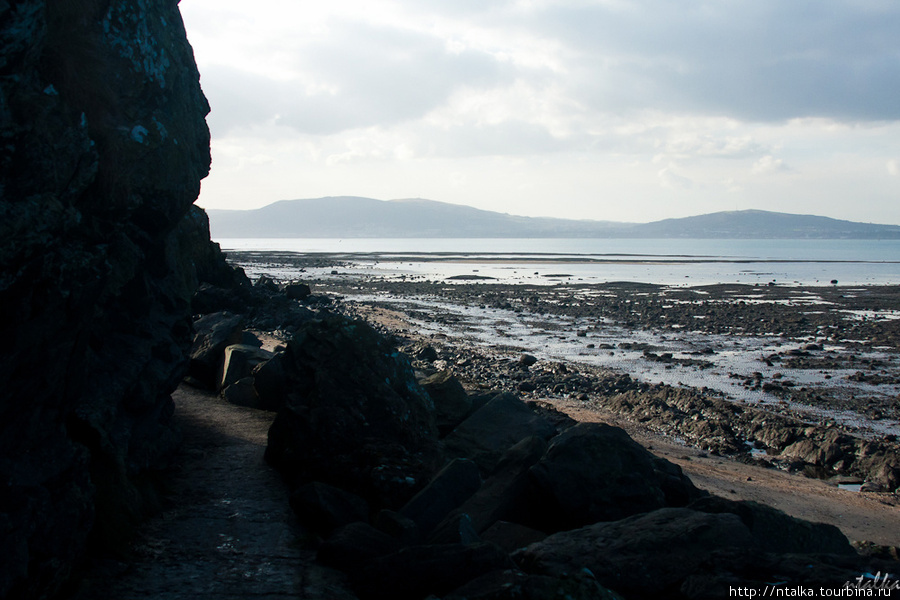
(893, 167)
(671, 180)
(360, 75)
(765, 60)
(768, 164)
(761, 60)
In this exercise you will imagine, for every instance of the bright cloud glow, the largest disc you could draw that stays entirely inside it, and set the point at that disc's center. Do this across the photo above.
(598, 109)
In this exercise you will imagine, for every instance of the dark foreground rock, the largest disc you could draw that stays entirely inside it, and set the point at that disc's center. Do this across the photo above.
(415, 572)
(104, 147)
(452, 403)
(354, 415)
(688, 553)
(516, 585)
(594, 472)
(491, 430)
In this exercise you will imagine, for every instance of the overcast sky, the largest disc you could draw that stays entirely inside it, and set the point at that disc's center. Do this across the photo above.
(601, 109)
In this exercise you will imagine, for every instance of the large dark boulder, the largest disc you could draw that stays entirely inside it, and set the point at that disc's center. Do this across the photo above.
(104, 146)
(508, 494)
(270, 382)
(733, 568)
(516, 585)
(354, 416)
(595, 472)
(354, 545)
(323, 508)
(697, 552)
(644, 556)
(415, 572)
(776, 531)
(451, 402)
(239, 362)
(495, 427)
(452, 486)
(212, 334)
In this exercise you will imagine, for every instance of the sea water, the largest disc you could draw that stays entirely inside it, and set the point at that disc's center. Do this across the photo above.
(551, 261)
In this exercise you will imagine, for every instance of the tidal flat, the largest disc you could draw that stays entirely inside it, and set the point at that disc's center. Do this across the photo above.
(802, 379)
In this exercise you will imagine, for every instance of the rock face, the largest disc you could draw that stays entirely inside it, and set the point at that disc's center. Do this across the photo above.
(103, 147)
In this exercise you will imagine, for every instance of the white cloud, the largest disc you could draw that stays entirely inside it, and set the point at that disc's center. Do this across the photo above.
(668, 178)
(893, 167)
(768, 164)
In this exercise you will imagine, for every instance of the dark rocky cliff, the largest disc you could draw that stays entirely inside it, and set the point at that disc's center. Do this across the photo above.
(103, 144)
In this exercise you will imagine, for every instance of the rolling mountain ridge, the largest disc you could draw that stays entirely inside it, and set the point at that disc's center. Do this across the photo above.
(357, 217)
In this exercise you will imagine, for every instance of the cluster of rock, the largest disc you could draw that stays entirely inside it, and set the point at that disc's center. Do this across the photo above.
(419, 489)
(700, 417)
(703, 308)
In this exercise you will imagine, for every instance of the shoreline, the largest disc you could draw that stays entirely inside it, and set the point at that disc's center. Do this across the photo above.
(864, 517)
(727, 466)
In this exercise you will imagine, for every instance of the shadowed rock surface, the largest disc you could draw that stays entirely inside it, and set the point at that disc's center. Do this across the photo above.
(104, 146)
(354, 415)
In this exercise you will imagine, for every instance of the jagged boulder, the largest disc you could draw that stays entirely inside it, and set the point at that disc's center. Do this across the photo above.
(452, 486)
(644, 556)
(451, 402)
(323, 507)
(595, 472)
(495, 427)
(775, 531)
(415, 572)
(698, 551)
(354, 416)
(507, 494)
(239, 361)
(354, 545)
(516, 585)
(270, 382)
(297, 290)
(212, 334)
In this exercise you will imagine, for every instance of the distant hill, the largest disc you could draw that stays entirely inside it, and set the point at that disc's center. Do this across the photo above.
(356, 217)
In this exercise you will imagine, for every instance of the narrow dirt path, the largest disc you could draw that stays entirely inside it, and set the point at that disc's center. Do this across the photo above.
(230, 533)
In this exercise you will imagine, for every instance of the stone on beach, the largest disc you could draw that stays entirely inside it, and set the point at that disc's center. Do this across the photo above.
(213, 333)
(324, 507)
(451, 402)
(452, 486)
(354, 415)
(506, 495)
(239, 361)
(297, 290)
(414, 572)
(495, 427)
(594, 472)
(270, 383)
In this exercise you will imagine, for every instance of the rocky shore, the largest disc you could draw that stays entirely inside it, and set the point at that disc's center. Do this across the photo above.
(445, 471)
(835, 338)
